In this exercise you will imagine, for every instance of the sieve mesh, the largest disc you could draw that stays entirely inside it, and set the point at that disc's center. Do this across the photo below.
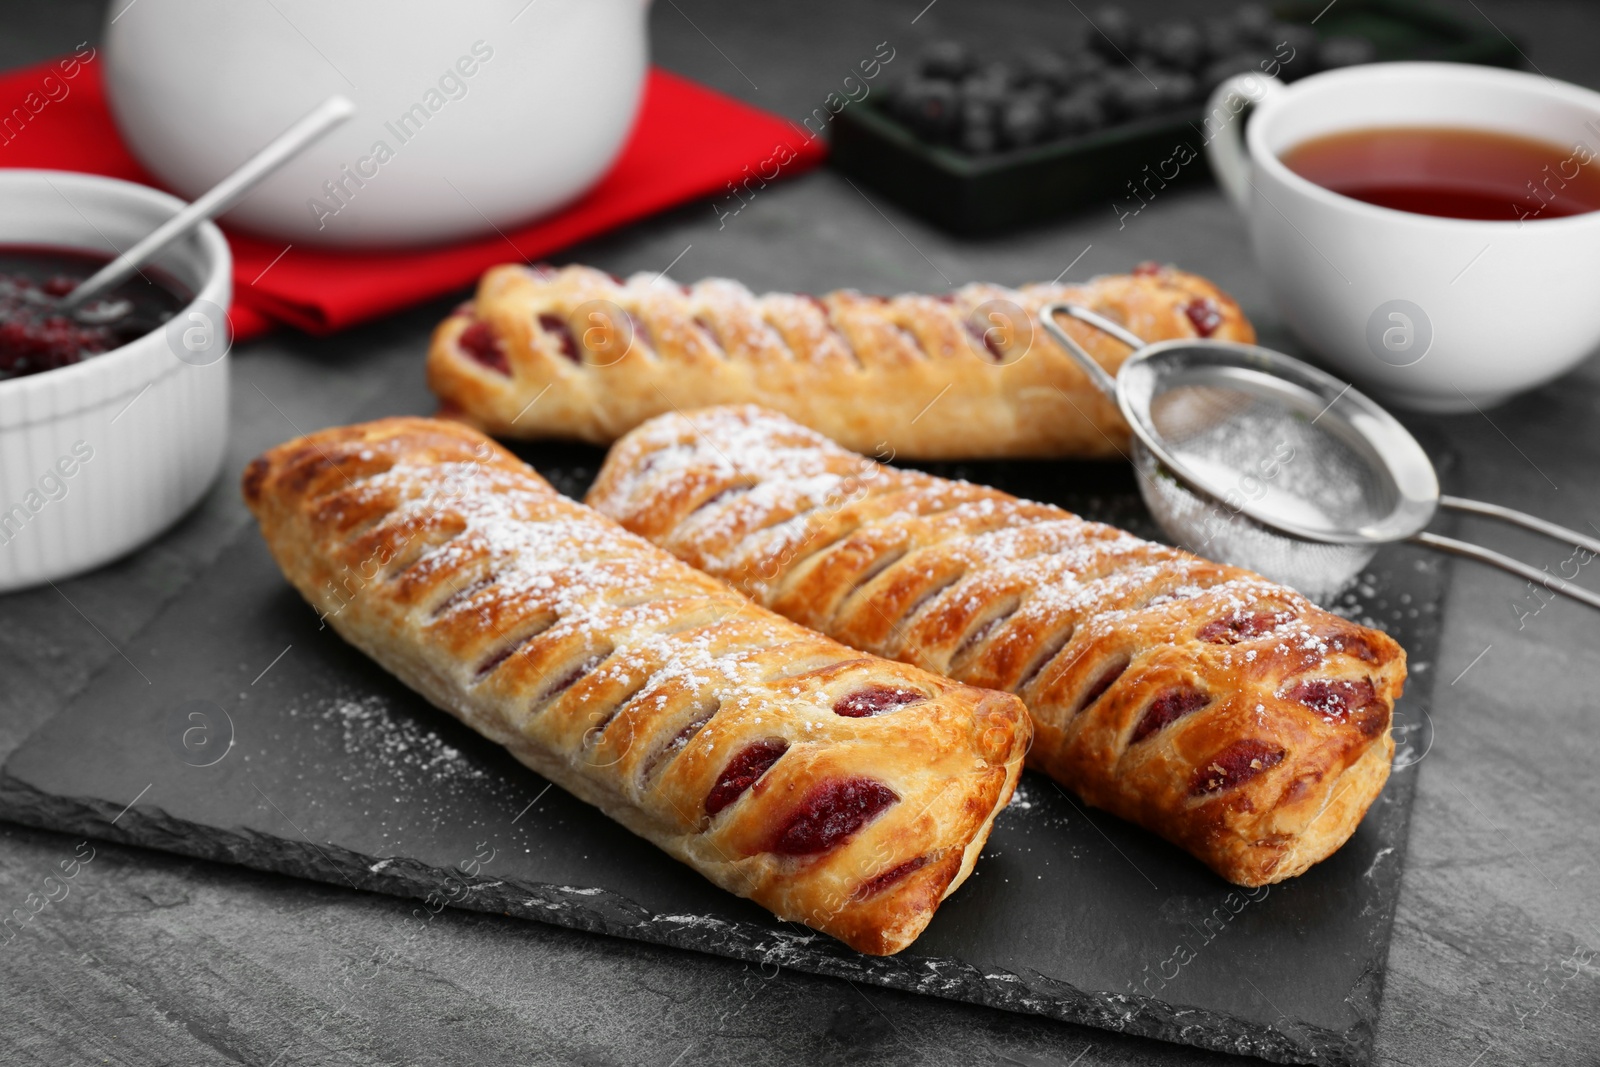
(1211, 530)
(1288, 461)
(1251, 457)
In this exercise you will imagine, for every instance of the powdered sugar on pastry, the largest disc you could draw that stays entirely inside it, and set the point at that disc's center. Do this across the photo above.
(1225, 712)
(844, 791)
(577, 353)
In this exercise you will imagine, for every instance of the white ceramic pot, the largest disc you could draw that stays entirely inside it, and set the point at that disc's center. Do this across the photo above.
(473, 114)
(98, 457)
(1439, 314)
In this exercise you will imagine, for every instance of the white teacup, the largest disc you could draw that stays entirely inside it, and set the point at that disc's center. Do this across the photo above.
(1431, 313)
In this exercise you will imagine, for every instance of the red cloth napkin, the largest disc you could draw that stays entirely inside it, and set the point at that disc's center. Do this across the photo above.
(687, 142)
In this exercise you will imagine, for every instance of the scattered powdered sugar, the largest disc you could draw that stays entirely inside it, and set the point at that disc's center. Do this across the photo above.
(516, 542)
(371, 729)
(1061, 568)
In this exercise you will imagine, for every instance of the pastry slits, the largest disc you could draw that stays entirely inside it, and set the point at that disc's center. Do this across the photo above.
(577, 353)
(730, 737)
(1224, 712)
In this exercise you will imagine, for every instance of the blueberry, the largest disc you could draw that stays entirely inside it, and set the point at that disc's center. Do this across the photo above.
(1039, 95)
(929, 108)
(1345, 51)
(987, 93)
(1078, 112)
(1024, 123)
(1102, 87)
(1117, 33)
(1088, 66)
(1175, 44)
(979, 140)
(1000, 73)
(1253, 23)
(1129, 95)
(1050, 69)
(980, 90)
(1175, 88)
(976, 114)
(947, 61)
(899, 97)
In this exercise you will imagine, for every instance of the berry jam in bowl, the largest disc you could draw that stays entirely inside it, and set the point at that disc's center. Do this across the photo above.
(113, 418)
(37, 335)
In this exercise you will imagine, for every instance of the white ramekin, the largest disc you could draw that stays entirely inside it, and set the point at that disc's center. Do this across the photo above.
(98, 457)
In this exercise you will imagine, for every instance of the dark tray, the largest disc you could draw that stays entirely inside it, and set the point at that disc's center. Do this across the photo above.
(338, 773)
(979, 196)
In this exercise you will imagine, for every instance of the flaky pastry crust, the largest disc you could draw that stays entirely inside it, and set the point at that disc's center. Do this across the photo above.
(1222, 711)
(576, 353)
(837, 789)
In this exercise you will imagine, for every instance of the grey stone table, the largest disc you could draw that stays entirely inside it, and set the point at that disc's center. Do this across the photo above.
(158, 959)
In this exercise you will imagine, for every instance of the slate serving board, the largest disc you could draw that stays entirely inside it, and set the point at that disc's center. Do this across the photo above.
(239, 730)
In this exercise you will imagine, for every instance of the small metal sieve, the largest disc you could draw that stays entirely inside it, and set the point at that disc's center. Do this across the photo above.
(1251, 457)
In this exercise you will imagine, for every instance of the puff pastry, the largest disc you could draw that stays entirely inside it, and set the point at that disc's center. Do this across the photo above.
(576, 353)
(837, 789)
(1217, 709)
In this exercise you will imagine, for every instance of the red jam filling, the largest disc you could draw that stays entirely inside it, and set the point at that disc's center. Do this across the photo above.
(878, 883)
(678, 743)
(1104, 682)
(1240, 627)
(986, 338)
(479, 342)
(706, 328)
(571, 678)
(1204, 315)
(829, 814)
(494, 660)
(555, 324)
(1148, 267)
(721, 495)
(641, 332)
(1357, 646)
(874, 700)
(1166, 709)
(1344, 701)
(983, 630)
(1235, 765)
(742, 772)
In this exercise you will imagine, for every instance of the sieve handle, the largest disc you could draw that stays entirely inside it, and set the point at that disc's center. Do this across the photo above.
(1582, 542)
(1522, 519)
(1097, 374)
(1495, 559)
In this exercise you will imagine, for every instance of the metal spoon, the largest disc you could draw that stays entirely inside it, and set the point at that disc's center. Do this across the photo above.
(219, 198)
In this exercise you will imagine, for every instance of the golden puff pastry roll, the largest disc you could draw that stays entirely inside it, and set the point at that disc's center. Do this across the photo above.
(836, 789)
(577, 353)
(1224, 712)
